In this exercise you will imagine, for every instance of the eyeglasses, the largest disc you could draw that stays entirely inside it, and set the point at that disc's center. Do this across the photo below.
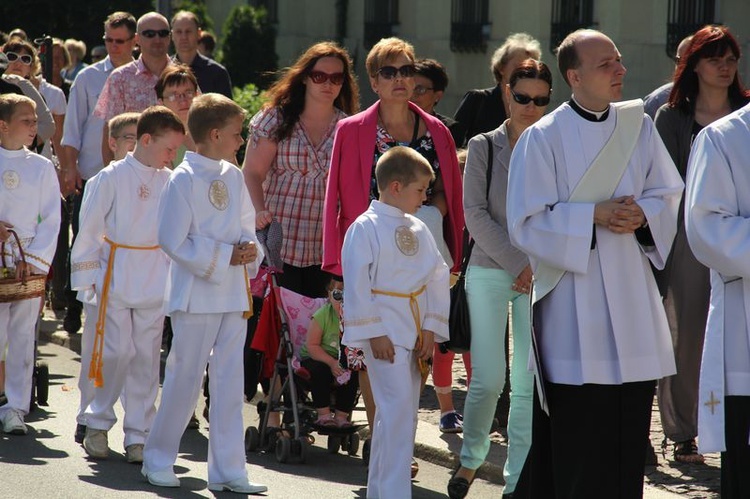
(128, 137)
(150, 33)
(117, 41)
(337, 295)
(319, 77)
(13, 57)
(390, 72)
(525, 99)
(420, 90)
(186, 95)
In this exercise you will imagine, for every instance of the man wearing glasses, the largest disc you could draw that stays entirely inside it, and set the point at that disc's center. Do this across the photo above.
(130, 88)
(82, 139)
(212, 76)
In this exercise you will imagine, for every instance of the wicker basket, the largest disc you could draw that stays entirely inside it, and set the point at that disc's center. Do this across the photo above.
(12, 289)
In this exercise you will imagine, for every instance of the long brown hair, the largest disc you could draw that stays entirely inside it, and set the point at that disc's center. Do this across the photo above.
(709, 41)
(288, 93)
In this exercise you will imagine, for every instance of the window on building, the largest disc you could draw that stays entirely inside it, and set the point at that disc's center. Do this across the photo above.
(381, 20)
(272, 7)
(470, 25)
(568, 16)
(684, 18)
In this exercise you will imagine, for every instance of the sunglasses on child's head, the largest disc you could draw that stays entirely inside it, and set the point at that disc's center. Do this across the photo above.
(337, 295)
(390, 72)
(319, 77)
(525, 99)
(150, 33)
(13, 57)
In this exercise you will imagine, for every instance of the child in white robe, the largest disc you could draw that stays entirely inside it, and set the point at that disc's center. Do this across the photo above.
(397, 303)
(116, 254)
(207, 227)
(30, 205)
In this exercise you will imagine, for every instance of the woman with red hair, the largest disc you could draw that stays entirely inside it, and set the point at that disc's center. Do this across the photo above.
(706, 87)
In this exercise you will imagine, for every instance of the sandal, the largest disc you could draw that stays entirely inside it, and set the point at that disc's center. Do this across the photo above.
(326, 421)
(458, 487)
(687, 452)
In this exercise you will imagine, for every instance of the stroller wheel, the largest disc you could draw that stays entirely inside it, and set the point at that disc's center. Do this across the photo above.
(252, 439)
(283, 449)
(42, 383)
(353, 444)
(366, 451)
(334, 444)
(300, 447)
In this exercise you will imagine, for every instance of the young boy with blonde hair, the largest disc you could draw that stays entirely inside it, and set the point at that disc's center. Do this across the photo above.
(397, 303)
(123, 133)
(117, 256)
(30, 205)
(207, 227)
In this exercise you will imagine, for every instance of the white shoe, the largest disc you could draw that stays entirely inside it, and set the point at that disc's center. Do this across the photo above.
(240, 485)
(134, 453)
(13, 423)
(95, 443)
(165, 478)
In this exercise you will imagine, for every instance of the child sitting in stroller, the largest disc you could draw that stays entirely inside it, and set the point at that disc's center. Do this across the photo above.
(320, 356)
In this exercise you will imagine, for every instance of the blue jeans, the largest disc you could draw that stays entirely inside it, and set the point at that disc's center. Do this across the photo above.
(488, 293)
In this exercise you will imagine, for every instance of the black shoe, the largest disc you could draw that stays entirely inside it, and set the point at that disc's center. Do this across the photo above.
(72, 321)
(458, 487)
(80, 433)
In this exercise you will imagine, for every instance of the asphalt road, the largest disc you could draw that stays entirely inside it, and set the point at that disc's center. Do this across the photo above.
(48, 463)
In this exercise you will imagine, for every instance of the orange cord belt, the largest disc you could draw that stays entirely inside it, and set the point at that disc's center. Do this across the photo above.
(95, 369)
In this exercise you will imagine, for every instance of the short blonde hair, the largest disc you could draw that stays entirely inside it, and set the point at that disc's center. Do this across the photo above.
(119, 122)
(401, 164)
(10, 102)
(76, 48)
(387, 49)
(516, 43)
(211, 111)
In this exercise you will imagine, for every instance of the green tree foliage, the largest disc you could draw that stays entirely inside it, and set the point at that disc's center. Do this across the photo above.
(251, 98)
(80, 19)
(197, 7)
(249, 46)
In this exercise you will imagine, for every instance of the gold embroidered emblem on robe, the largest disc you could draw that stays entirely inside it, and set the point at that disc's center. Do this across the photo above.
(218, 195)
(11, 179)
(406, 241)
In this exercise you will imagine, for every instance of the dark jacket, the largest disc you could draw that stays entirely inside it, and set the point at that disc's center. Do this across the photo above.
(480, 111)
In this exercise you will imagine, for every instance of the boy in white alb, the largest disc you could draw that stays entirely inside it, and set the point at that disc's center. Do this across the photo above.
(30, 205)
(207, 227)
(116, 257)
(123, 134)
(397, 303)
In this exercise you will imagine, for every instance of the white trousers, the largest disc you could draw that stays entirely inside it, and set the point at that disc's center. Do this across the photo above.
(395, 388)
(132, 342)
(85, 385)
(17, 330)
(196, 336)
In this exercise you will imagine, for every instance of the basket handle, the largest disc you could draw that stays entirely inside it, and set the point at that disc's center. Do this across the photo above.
(20, 250)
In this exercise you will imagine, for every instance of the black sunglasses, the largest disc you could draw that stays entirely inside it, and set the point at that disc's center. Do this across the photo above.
(117, 41)
(525, 99)
(150, 33)
(390, 72)
(320, 77)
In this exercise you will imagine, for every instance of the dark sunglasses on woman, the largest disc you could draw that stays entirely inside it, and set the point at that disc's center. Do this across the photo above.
(525, 99)
(13, 57)
(319, 77)
(389, 72)
(150, 33)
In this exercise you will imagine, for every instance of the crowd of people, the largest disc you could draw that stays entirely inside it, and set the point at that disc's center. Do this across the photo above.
(588, 250)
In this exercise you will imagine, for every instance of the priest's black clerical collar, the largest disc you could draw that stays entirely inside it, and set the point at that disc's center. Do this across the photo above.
(587, 114)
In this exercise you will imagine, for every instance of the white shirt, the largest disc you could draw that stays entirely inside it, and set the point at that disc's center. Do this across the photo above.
(112, 207)
(717, 219)
(388, 250)
(30, 200)
(55, 99)
(604, 322)
(82, 130)
(204, 210)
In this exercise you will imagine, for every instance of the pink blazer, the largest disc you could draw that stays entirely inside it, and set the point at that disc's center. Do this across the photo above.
(348, 188)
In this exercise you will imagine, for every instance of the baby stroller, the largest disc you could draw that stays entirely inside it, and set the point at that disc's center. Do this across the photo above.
(291, 316)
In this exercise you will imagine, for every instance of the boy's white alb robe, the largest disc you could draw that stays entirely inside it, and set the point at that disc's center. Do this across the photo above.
(604, 322)
(112, 208)
(30, 200)
(198, 214)
(717, 217)
(371, 259)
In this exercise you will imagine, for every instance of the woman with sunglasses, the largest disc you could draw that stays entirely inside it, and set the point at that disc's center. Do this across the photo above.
(706, 87)
(498, 274)
(287, 157)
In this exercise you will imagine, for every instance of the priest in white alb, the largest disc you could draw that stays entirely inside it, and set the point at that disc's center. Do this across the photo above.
(592, 199)
(717, 217)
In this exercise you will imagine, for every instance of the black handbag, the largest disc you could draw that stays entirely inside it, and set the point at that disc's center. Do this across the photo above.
(459, 324)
